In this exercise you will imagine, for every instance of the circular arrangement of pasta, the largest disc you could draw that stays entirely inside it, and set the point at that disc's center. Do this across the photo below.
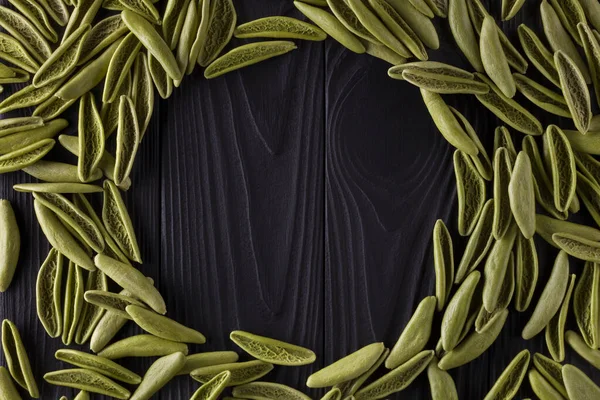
(109, 58)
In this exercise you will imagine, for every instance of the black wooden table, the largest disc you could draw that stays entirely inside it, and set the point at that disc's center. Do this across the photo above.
(294, 199)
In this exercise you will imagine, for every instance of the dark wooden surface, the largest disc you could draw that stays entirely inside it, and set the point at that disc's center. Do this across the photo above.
(294, 199)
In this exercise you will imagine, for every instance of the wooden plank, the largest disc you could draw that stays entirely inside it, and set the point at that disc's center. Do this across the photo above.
(18, 303)
(242, 202)
(389, 177)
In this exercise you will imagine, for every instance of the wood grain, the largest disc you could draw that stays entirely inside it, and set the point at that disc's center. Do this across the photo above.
(243, 204)
(389, 177)
(294, 199)
(228, 206)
